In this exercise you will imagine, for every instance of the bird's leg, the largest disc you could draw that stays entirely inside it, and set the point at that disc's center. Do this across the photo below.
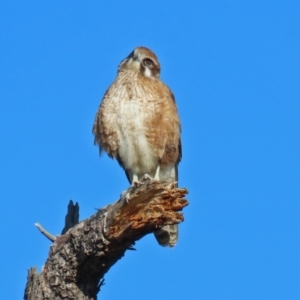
(156, 176)
(147, 177)
(135, 181)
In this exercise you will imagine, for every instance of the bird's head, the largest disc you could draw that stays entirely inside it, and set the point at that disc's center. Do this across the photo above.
(143, 60)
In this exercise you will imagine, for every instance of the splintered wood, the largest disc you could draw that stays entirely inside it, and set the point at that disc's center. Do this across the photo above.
(148, 207)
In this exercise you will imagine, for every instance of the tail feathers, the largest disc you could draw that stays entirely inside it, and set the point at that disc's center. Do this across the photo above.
(167, 235)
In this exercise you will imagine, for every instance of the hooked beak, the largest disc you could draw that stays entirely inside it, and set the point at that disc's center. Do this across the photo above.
(136, 57)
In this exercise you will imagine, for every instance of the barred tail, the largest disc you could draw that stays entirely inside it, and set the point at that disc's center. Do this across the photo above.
(167, 235)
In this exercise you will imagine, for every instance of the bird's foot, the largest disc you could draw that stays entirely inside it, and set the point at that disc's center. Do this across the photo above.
(147, 177)
(136, 183)
(126, 195)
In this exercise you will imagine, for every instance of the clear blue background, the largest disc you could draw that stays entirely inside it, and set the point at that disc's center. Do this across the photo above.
(234, 68)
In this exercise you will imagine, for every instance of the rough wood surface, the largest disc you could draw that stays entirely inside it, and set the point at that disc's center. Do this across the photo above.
(79, 259)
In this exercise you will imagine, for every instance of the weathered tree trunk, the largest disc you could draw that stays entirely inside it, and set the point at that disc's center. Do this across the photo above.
(79, 259)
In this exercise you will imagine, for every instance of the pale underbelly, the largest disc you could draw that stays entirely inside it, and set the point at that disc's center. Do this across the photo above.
(135, 151)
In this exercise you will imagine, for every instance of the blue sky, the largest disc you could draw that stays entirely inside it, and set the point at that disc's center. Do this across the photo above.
(234, 68)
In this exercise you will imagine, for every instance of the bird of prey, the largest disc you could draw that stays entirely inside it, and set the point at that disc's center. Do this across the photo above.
(138, 125)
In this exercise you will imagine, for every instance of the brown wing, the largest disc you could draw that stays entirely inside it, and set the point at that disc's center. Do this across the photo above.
(167, 128)
(104, 125)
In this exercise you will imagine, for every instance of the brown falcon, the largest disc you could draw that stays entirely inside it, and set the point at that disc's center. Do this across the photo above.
(138, 125)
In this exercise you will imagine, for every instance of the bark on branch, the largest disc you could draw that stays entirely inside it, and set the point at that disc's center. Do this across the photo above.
(79, 259)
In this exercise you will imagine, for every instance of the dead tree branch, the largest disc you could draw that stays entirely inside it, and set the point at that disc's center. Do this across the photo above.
(79, 259)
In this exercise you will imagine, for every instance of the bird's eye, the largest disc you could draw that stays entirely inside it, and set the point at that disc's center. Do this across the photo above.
(148, 62)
